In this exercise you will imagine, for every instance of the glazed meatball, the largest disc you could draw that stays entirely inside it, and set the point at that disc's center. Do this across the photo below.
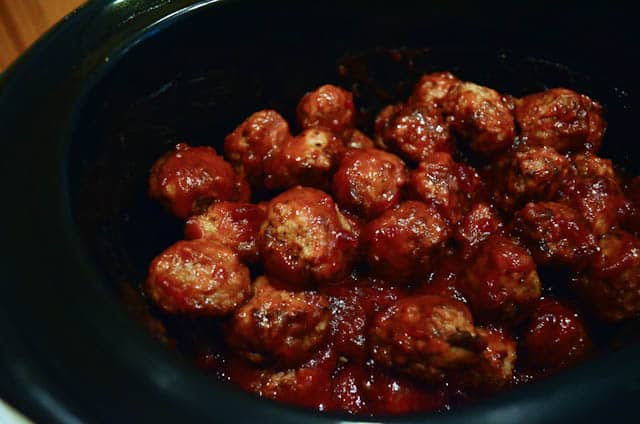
(590, 165)
(279, 327)
(444, 182)
(555, 337)
(401, 243)
(478, 224)
(308, 159)
(234, 225)
(530, 174)
(611, 285)
(197, 277)
(254, 141)
(359, 140)
(187, 179)
(482, 116)
(555, 234)
(432, 89)
(303, 240)
(369, 181)
(501, 281)
(412, 132)
(427, 337)
(329, 107)
(562, 119)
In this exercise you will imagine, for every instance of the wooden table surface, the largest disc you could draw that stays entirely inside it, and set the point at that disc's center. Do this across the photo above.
(23, 21)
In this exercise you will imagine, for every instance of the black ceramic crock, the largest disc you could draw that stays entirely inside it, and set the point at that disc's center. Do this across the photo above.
(84, 113)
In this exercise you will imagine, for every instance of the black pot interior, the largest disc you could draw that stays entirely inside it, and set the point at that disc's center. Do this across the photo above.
(195, 77)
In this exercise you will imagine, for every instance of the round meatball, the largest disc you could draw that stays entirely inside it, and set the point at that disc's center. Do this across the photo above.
(562, 119)
(481, 115)
(555, 234)
(501, 281)
(308, 159)
(197, 277)
(432, 89)
(303, 240)
(529, 174)
(412, 132)
(369, 181)
(234, 225)
(590, 165)
(444, 182)
(279, 327)
(401, 243)
(478, 224)
(555, 337)
(254, 141)
(188, 179)
(329, 107)
(428, 337)
(611, 285)
(359, 140)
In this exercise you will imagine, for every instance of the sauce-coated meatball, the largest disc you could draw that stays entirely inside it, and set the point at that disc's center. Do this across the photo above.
(197, 277)
(555, 337)
(254, 141)
(432, 88)
(412, 132)
(427, 337)
(303, 240)
(401, 243)
(562, 119)
(187, 179)
(482, 116)
(279, 327)
(308, 159)
(444, 182)
(478, 224)
(501, 281)
(529, 174)
(369, 181)
(329, 107)
(555, 234)
(590, 165)
(611, 285)
(359, 140)
(234, 225)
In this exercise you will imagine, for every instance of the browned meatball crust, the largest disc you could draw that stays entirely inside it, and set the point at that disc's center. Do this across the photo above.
(359, 140)
(481, 116)
(562, 119)
(304, 240)
(197, 277)
(328, 107)
(402, 243)
(278, 327)
(480, 222)
(432, 89)
(369, 181)
(427, 337)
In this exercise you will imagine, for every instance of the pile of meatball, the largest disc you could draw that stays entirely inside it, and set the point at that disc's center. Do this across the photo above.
(400, 273)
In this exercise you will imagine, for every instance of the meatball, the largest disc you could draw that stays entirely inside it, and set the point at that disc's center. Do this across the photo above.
(308, 159)
(279, 327)
(197, 277)
(329, 107)
(501, 281)
(428, 337)
(530, 174)
(562, 119)
(555, 234)
(303, 240)
(234, 225)
(555, 337)
(401, 243)
(187, 179)
(611, 285)
(256, 139)
(432, 89)
(369, 181)
(445, 183)
(478, 224)
(359, 140)
(412, 132)
(481, 115)
(590, 165)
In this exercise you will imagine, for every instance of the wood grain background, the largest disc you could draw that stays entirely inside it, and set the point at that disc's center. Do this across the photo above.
(23, 21)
